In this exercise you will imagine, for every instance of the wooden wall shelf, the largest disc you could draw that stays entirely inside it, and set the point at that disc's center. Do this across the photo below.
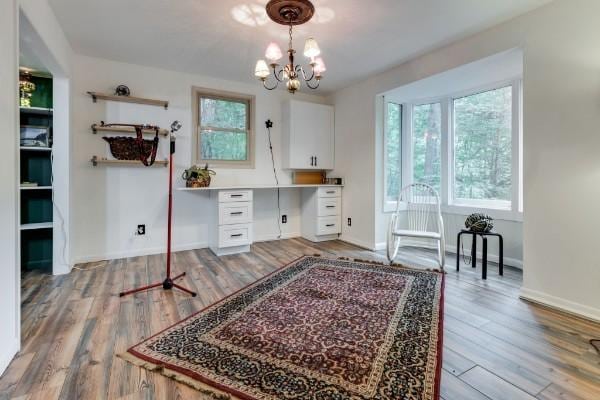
(99, 128)
(128, 99)
(124, 163)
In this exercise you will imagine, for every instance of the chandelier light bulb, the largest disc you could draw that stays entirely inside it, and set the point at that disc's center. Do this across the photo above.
(273, 53)
(262, 69)
(311, 48)
(293, 85)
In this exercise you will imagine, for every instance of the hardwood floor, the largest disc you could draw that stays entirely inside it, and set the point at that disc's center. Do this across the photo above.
(495, 346)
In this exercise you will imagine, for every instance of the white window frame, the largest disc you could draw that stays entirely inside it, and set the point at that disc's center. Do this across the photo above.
(249, 100)
(496, 209)
(387, 203)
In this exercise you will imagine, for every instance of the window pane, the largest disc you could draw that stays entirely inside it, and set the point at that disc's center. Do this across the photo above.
(230, 146)
(222, 114)
(426, 138)
(393, 137)
(482, 145)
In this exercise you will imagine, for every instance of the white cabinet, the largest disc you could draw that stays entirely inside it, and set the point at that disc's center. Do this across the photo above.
(308, 136)
(321, 213)
(231, 224)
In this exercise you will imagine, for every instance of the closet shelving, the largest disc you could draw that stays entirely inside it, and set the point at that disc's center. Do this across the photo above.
(36, 204)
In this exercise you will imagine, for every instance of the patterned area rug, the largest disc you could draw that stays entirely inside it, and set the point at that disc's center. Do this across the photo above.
(314, 329)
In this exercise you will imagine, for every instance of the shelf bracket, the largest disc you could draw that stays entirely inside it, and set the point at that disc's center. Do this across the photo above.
(94, 99)
(94, 161)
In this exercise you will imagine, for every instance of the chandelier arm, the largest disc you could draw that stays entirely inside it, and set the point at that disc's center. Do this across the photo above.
(300, 69)
(278, 74)
(313, 87)
(264, 81)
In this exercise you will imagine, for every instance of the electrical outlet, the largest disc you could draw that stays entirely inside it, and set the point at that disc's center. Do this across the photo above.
(284, 219)
(141, 229)
(349, 221)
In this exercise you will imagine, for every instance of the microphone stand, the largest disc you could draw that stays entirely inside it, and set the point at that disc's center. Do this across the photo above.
(168, 283)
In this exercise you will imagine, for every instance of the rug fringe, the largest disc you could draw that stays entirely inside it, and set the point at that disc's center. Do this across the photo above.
(197, 385)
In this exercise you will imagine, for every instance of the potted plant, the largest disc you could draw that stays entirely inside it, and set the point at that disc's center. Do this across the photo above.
(197, 176)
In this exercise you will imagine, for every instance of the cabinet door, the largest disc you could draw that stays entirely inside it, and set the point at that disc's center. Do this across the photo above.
(323, 137)
(302, 136)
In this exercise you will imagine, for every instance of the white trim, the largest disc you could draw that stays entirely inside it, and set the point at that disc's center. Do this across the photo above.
(508, 261)
(8, 355)
(273, 236)
(561, 304)
(359, 243)
(139, 252)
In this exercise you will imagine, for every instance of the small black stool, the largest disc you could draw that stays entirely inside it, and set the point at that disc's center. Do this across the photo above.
(484, 236)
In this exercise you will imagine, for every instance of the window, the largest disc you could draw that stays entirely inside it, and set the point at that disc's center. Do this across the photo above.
(224, 134)
(483, 148)
(393, 151)
(426, 143)
(467, 146)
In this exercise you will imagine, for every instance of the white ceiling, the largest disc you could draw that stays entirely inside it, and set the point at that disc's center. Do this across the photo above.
(357, 37)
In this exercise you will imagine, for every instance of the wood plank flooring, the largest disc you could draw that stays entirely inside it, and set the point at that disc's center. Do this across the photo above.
(495, 346)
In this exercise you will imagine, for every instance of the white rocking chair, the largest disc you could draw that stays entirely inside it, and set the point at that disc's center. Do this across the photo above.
(418, 216)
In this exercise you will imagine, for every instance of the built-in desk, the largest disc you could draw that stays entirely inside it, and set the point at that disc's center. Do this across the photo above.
(231, 223)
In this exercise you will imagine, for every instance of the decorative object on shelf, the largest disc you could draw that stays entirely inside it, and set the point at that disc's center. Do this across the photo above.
(122, 90)
(128, 99)
(129, 148)
(478, 222)
(26, 89)
(169, 282)
(290, 13)
(196, 176)
(35, 136)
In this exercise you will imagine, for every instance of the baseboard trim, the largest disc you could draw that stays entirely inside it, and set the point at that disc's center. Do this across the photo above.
(513, 262)
(140, 252)
(558, 303)
(6, 358)
(271, 237)
(358, 242)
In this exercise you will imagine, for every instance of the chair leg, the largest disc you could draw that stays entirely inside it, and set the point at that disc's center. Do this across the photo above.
(458, 251)
(484, 259)
(474, 252)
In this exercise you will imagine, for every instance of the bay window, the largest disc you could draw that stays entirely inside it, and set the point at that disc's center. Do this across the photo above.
(466, 145)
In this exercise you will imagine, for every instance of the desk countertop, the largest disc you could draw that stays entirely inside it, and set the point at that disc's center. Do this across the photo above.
(254, 186)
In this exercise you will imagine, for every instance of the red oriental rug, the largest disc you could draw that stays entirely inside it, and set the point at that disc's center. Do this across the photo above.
(314, 329)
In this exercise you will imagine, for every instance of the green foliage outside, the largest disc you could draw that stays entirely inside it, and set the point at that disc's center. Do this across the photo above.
(223, 129)
(394, 150)
(482, 145)
(427, 149)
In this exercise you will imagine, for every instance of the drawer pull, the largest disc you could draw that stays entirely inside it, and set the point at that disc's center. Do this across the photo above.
(235, 195)
(236, 213)
(330, 206)
(331, 192)
(330, 225)
(236, 235)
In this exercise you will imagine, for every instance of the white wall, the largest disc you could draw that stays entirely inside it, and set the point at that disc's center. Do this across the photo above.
(9, 122)
(109, 202)
(561, 145)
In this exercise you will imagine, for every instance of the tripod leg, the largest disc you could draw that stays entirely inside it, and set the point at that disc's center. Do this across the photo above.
(181, 275)
(132, 291)
(184, 289)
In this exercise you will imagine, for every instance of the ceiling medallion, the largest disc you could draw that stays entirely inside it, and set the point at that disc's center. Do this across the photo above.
(290, 13)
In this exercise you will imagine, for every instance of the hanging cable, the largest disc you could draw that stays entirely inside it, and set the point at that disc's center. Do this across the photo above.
(269, 125)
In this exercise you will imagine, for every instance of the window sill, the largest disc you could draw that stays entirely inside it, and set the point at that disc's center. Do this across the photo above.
(497, 214)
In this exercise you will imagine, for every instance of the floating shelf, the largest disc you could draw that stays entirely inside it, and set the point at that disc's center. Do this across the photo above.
(99, 128)
(123, 163)
(35, 148)
(129, 99)
(41, 225)
(36, 110)
(36, 187)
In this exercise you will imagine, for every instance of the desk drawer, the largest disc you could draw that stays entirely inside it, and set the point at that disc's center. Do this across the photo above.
(235, 235)
(235, 213)
(329, 191)
(327, 206)
(230, 196)
(329, 225)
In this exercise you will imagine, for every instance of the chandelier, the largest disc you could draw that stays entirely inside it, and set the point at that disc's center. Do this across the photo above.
(290, 13)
